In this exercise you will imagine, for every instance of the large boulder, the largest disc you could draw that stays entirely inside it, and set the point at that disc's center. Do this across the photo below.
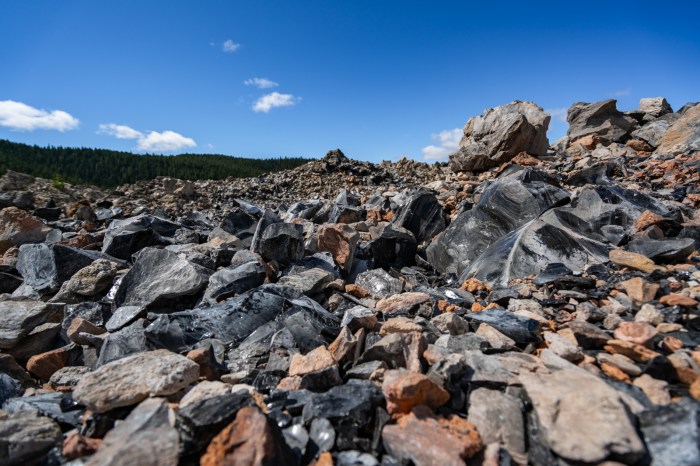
(422, 215)
(125, 237)
(19, 227)
(602, 119)
(653, 107)
(683, 136)
(500, 134)
(159, 277)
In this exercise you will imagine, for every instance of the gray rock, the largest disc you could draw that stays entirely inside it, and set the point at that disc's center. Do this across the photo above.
(124, 315)
(233, 280)
(422, 215)
(282, 242)
(500, 134)
(505, 205)
(599, 118)
(498, 418)
(522, 330)
(308, 282)
(26, 439)
(241, 223)
(20, 317)
(159, 277)
(498, 369)
(653, 107)
(392, 246)
(683, 136)
(125, 237)
(379, 283)
(663, 251)
(9, 387)
(129, 380)
(653, 131)
(608, 428)
(123, 342)
(672, 433)
(45, 267)
(68, 376)
(146, 437)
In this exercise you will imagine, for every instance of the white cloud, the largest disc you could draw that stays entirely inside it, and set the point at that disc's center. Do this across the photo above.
(21, 117)
(154, 141)
(274, 99)
(119, 131)
(558, 113)
(260, 83)
(621, 93)
(230, 46)
(447, 143)
(164, 142)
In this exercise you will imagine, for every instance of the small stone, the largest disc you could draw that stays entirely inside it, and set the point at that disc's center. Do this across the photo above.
(146, 437)
(316, 360)
(496, 339)
(649, 314)
(340, 240)
(44, 365)
(639, 333)
(68, 377)
(563, 347)
(399, 325)
(647, 219)
(671, 344)
(359, 317)
(76, 446)
(614, 372)
(404, 303)
(425, 441)
(633, 261)
(80, 325)
(251, 439)
(636, 352)
(26, 439)
(450, 323)
(639, 290)
(404, 390)
(203, 391)
(656, 390)
(129, 380)
(678, 300)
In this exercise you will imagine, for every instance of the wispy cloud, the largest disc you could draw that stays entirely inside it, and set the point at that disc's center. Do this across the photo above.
(447, 143)
(230, 46)
(22, 117)
(274, 99)
(621, 93)
(260, 83)
(119, 131)
(558, 113)
(167, 141)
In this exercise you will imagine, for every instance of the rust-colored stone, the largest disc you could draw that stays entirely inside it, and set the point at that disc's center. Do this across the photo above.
(403, 303)
(614, 372)
(637, 353)
(472, 285)
(340, 240)
(405, 390)
(314, 361)
(633, 260)
(639, 290)
(399, 325)
(678, 300)
(76, 446)
(356, 291)
(45, 364)
(250, 440)
(639, 333)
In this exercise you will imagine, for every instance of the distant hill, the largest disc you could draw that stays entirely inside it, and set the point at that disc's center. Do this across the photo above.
(108, 168)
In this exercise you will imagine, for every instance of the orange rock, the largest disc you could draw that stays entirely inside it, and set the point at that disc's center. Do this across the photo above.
(356, 291)
(639, 145)
(637, 353)
(671, 344)
(345, 343)
(80, 325)
(314, 361)
(18, 227)
(404, 390)
(402, 303)
(290, 383)
(695, 389)
(324, 459)
(476, 307)
(633, 260)
(472, 285)
(647, 219)
(76, 446)
(588, 142)
(639, 333)
(399, 325)
(45, 364)
(614, 372)
(207, 362)
(526, 160)
(250, 440)
(425, 440)
(639, 290)
(340, 240)
(678, 300)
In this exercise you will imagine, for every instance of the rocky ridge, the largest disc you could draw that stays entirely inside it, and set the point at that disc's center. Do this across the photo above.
(526, 303)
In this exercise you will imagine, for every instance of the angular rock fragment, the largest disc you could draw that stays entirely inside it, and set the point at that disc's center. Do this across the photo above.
(126, 237)
(18, 227)
(233, 280)
(19, 317)
(422, 215)
(340, 240)
(26, 439)
(601, 119)
(129, 380)
(521, 329)
(404, 390)
(282, 242)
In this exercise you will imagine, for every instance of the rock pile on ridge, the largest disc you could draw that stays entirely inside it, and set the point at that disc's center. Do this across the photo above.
(537, 307)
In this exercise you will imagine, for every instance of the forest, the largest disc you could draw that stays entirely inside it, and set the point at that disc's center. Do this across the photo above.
(108, 168)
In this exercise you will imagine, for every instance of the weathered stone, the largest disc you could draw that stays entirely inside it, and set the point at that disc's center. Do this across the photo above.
(674, 299)
(639, 290)
(521, 329)
(68, 377)
(146, 437)
(93, 279)
(282, 242)
(309, 282)
(404, 303)
(76, 446)
(426, 441)
(126, 237)
(672, 433)
(251, 439)
(25, 439)
(663, 251)
(599, 118)
(498, 418)
(19, 317)
(340, 240)
(379, 283)
(204, 390)
(404, 390)
(633, 260)
(359, 317)
(392, 246)
(656, 390)
(563, 347)
(18, 227)
(639, 333)
(683, 135)
(500, 134)
(560, 398)
(134, 378)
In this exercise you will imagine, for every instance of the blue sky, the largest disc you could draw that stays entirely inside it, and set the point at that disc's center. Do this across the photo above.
(379, 79)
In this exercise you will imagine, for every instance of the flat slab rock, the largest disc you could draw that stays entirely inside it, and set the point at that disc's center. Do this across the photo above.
(129, 380)
(583, 418)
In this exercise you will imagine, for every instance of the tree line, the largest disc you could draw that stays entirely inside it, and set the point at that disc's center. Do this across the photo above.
(108, 168)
